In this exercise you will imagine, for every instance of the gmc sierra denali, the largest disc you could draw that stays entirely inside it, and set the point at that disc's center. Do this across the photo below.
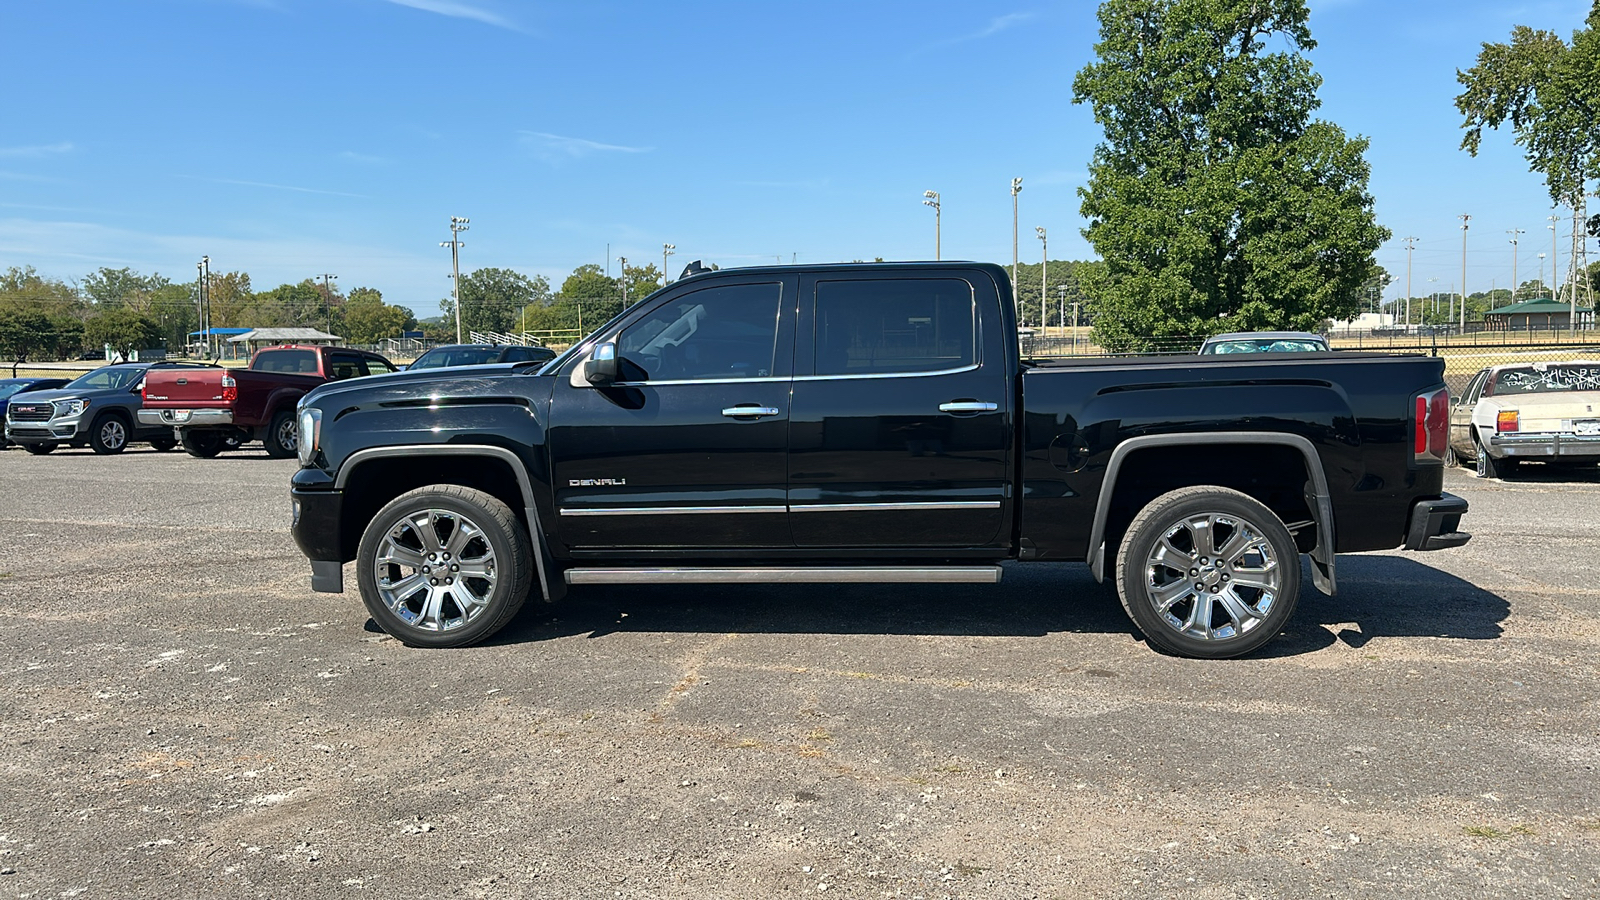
(866, 423)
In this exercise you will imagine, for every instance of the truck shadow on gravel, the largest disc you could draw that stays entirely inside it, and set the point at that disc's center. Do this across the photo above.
(1378, 596)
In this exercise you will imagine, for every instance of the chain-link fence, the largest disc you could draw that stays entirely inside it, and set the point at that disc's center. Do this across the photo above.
(1465, 353)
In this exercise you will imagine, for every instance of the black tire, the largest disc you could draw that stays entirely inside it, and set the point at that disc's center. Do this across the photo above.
(1450, 458)
(202, 443)
(1254, 588)
(434, 604)
(163, 444)
(281, 435)
(1489, 467)
(109, 434)
(40, 449)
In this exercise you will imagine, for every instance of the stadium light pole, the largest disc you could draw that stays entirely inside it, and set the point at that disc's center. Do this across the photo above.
(622, 276)
(205, 268)
(666, 251)
(1016, 188)
(931, 198)
(1044, 278)
(1541, 270)
(327, 299)
(1411, 244)
(458, 224)
(1555, 267)
(1515, 233)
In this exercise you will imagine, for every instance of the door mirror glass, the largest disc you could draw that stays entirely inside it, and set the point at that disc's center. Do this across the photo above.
(601, 369)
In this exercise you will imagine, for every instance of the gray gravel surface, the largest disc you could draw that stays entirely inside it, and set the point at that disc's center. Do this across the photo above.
(184, 718)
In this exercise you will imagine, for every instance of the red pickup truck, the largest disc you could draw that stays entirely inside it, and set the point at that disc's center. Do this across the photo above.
(211, 410)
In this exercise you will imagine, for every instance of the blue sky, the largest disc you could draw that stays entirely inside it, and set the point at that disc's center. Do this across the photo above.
(288, 138)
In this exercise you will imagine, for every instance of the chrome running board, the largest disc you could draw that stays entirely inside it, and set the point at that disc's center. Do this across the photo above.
(789, 575)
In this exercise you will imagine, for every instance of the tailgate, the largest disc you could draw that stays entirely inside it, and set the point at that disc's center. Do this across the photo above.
(183, 388)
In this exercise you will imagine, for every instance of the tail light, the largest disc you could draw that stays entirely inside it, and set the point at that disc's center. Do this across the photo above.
(230, 389)
(1430, 426)
(1507, 420)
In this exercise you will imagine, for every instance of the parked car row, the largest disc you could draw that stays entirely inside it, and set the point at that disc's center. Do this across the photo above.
(204, 407)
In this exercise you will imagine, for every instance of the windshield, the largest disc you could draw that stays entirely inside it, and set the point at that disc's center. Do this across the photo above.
(7, 388)
(108, 378)
(1550, 379)
(1279, 345)
(441, 357)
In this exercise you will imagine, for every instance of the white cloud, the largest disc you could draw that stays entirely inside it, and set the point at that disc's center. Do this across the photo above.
(994, 27)
(277, 187)
(37, 151)
(558, 146)
(456, 10)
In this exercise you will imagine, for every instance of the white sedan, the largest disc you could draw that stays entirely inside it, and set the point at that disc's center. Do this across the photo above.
(1544, 411)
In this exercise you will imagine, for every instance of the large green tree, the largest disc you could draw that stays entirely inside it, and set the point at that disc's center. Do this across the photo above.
(491, 299)
(1215, 200)
(40, 318)
(1549, 92)
(121, 328)
(368, 320)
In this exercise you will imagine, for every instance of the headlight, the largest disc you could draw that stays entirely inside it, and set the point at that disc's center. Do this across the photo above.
(309, 440)
(71, 407)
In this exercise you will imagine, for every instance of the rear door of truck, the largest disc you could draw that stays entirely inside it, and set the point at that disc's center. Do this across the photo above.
(900, 426)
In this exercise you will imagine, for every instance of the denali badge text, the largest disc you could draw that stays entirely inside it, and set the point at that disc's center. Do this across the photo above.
(596, 482)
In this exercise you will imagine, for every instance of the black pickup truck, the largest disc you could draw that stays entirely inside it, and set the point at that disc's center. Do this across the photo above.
(866, 423)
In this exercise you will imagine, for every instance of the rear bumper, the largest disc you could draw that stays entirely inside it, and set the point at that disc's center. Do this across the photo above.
(316, 530)
(1435, 524)
(185, 418)
(1544, 445)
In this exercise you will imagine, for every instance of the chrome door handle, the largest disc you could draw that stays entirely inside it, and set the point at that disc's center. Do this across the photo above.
(968, 406)
(752, 412)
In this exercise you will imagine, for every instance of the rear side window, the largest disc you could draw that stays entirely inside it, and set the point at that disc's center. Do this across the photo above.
(376, 366)
(342, 366)
(886, 326)
(300, 362)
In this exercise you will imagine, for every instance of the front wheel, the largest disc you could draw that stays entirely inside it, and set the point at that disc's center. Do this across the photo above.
(1208, 572)
(444, 566)
(281, 435)
(108, 434)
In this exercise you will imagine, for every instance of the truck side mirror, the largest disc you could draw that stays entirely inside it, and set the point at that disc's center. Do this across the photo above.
(601, 369)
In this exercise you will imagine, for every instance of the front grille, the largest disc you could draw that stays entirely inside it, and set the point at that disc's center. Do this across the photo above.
(31, 412)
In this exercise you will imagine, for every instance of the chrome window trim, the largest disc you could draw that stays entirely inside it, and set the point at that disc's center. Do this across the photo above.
(873, 507)
(669, 510)
(768, 379)
(971, 368)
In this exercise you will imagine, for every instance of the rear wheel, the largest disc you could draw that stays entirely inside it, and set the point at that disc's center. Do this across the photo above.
(108, 434)
(444, 566)
(1489, 467)
(202, 443)
(1208, 572)
(163, 444)
(281, 435)
(40, 449)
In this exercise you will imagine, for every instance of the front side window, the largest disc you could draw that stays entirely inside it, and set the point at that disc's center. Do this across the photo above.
(886, 326)
(341, 367)
(720, 332)
(376, 366)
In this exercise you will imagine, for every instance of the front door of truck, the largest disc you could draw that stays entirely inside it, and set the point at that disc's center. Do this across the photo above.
(900, 433)
(687, 449)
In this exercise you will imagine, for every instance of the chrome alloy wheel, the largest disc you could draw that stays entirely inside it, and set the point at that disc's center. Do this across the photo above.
(435, 570)
(289, 434)
(1213, 577)
(113, 434)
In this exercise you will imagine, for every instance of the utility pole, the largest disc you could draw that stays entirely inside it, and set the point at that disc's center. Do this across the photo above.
(1555, 280)
(327, 299)
(931, 198)
(205, 279)
(622, 276)
(199, 301)
(1044, 278)
(1464, 220)
(666, 251)
(1411, 244)
(458, 224)
(1016, 188)
(1515, 233)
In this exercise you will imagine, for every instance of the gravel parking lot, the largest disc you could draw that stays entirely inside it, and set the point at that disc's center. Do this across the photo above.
(184, 718)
